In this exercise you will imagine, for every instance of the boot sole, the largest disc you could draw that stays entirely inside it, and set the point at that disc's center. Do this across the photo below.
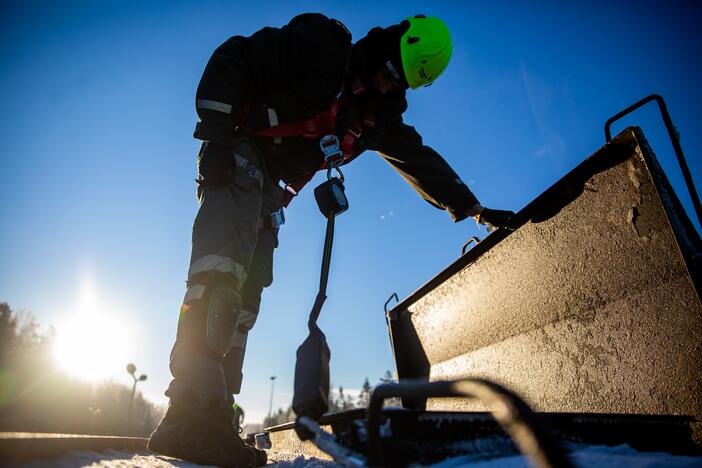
(177, 452)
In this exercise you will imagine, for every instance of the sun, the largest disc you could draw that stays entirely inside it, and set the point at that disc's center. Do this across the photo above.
(92, 345)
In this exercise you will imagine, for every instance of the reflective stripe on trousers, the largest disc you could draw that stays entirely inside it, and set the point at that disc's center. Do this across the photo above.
(226, 239)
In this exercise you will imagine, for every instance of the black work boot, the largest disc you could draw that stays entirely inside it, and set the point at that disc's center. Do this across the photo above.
(203, 436)
(198, 424)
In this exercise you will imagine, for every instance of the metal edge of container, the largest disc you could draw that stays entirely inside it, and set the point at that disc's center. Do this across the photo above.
(411, 363)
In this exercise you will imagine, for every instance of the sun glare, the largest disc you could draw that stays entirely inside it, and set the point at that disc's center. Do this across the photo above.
(92, 345)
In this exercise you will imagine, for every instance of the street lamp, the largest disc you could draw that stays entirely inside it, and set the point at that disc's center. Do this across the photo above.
(270, 404)
(131, 368)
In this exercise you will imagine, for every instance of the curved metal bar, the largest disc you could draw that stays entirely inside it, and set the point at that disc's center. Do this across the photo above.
(475, 239)
(674, 139)
(397, 299)
(510, 411)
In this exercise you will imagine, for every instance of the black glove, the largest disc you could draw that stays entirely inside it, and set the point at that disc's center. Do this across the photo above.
(494, 219)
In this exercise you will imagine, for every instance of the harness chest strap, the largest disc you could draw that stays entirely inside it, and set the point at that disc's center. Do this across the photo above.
(316, 127)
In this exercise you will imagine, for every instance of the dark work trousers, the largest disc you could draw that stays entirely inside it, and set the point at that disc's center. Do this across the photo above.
(230, 240)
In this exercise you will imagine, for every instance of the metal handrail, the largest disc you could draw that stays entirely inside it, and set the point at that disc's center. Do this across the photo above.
(393, 296)
(674, 139)
(475, 239)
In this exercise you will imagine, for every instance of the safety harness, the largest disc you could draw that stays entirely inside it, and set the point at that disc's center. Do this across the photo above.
(320, 127)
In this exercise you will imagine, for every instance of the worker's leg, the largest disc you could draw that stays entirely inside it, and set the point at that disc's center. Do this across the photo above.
(260, 276)
(225, 235)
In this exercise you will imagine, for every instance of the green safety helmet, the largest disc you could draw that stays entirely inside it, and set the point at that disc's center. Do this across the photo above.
(425, 50)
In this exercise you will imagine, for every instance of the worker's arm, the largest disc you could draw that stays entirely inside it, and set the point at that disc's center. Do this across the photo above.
(226, 85)
(299, 66)
(427, 172)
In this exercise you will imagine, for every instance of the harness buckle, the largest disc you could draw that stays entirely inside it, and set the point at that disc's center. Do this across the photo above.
(331, 149)
(272, 221)
(251, 171)
(277, 218)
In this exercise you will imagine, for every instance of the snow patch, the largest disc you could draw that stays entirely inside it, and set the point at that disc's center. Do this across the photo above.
(583, 456)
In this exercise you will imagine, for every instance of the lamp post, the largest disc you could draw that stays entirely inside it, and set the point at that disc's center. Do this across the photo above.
(270, 404)
(131, 368)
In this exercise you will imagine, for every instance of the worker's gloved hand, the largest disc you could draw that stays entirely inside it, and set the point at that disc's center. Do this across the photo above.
(494, 219)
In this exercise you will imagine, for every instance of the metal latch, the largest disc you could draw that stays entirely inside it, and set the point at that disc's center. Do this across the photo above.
(331, 149)
(277, 218)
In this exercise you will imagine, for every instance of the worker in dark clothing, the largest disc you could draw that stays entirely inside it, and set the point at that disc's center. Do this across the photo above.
(264, 103)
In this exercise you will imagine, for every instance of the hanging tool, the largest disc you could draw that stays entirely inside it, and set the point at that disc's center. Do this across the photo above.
(311, 398)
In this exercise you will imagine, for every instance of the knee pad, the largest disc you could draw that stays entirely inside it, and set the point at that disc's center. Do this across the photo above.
(223, 313)
(210, 314)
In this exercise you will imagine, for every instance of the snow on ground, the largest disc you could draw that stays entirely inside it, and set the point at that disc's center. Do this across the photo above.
(108, 458)
(120, 459)
(584, 456)
(588, 456)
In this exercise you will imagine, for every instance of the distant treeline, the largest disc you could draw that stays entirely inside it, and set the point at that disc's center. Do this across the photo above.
(35, 396)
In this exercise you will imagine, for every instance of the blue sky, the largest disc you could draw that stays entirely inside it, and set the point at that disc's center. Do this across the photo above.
(98, 159)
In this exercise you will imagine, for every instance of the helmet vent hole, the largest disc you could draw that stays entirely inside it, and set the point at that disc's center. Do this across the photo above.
(420, 16)
(412, 39)
(424, 61)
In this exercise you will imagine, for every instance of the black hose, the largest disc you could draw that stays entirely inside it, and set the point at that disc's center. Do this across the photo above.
(510, 411)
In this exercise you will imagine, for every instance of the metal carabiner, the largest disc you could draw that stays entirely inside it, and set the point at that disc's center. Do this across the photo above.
(334, 167)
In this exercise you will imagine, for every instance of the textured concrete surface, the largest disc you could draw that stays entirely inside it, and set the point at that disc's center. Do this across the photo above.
(287, 443)
(589, 308)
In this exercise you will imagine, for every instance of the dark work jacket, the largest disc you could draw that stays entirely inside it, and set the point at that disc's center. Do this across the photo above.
(299, 70)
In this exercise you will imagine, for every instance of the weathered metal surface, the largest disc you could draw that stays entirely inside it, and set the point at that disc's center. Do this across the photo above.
(591, 305)
(15, 446)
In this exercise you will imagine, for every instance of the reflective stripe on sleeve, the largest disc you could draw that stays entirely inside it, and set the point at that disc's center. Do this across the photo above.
(214, 105)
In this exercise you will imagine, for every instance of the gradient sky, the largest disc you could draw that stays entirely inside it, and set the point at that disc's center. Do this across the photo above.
(98, 159)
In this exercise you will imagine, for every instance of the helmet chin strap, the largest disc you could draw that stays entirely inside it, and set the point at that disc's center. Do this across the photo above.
(370, 53)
